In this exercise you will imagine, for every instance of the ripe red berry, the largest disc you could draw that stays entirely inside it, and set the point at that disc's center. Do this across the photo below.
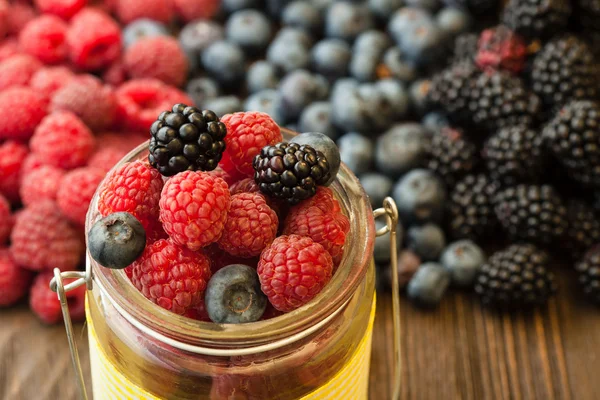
(106, 157)
(135, 188)
(6, 220)
(13, 154)
(14, 280)
(158, 57)
(46, 81)
(293, 270)
(45, 38)
(45, 304)
(75, 192)
(189, 10)
(172, 276)
(129, 10)
(247, 134)
(27, 109)
(193, 208)
(63, 140)
(500, 48)
(40, 184)
(18, 70)
(115, 74)
(65, 9)
(4, 11)
(19, 14)
(8, 48)
(43, 239)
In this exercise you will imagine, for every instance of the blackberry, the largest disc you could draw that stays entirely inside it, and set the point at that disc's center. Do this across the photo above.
(536, 19)
(516, 276)
(290, 171)
(451, 155)
(514, 155)
(564, 70)
(477, 7)
(470, 211)
(533, 213)
(573, 136)
(584, 228)
(186, 139)
(588, 270)
(465, 47)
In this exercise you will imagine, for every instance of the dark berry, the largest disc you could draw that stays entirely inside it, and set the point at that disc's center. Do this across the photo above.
(428, 285)
(325, 145)
(303, 15)
(202, 90)
(463, 259)
(116, 240)
(356, 151)
(536, 19)
(330, 58)
(402, 148)
(347, 20)
(262, 75)
(224, 61)
(427, 241)
(451, 155)
(224, 105)
(142, 28)
(249, 29)
(584, 228)
(588, 270)
(420, 196)
(477, 7)
(382, 248)
(316, 117)
(300, 88)
(377, 187)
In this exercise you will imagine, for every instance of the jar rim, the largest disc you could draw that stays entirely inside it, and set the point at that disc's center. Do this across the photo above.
(358, 249)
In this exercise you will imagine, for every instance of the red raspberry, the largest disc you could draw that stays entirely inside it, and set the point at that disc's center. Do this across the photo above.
(106, 158)
(134, 188)
(193, 208)
(27, 109)
(246, 185)
(62, 8)
(42, 239)
(94, 39)
(159, 10)
(40, 184)
(63, 140)
(88, 98)
(8, 48)
(47, 81)
(189, 10)
(45, 304)
(45, 37)
(500, 48)
(219, 258)
(140, 101)
(198, 313)
(251, 226)
(324, 199)
(247, 134)
(171, 276)
(4, 11)
(13, 154)
(6, 220)
(116, 74)
(293, 270)
(158, 57)
(30, 164)
(125, 141)
(218, 172)
(75, 192)
(327, 228)
(18, 70)
(14, 280)
(19, 15)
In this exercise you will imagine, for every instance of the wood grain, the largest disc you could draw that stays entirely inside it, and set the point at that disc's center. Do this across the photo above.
(458, 351)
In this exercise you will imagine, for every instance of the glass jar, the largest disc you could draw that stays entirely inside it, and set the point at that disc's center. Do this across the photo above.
(321, 350)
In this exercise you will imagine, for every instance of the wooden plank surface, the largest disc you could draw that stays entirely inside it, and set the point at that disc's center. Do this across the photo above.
(459, 351)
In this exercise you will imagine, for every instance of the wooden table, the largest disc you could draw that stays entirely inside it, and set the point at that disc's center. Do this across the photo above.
(459, 351)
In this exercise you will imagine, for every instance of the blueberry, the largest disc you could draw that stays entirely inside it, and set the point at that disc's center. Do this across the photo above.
(276, 7)
(300, 88)
(408, 264)
(116, 240)
(453, 21)
(224, 105)
(418, 94)
(382, 9)
(371, 41)
(202, 90)
(350, 110)
(325, 145)
(267, 101)
(316, 117)
(435, 121)
(420, 196)
(382, 250)
(397, 65)
(291, 35)
(430, 5)
(233, 295)
(408, 19)
(463, 260)
(290, 52)
(347, 20)
(198, 35)
(249, 29)
(303, 15)
(395, 100)
(356, 151)
(428, 285)
(402, 148)
(377, 187)
(363, 66)
(225, 61)
(322, 5)
(427, 241)
(423, 44)
(262, 75)
(142, 28)
(330, 58)
(236, 5)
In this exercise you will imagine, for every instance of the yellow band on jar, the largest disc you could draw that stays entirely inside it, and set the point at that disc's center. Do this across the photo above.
(351, 382)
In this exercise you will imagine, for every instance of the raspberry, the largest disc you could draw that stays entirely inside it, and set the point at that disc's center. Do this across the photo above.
(218, 172)
(219, 258)
(46, 81)
(189, 10)
(251, 226)
(130, 10)
(30, 164)
(106, 158)
(134, 188)
(19, 15)
(115, 74)
(45, 37)
(45, 304)
(26, 108)
(199, 312)
(158, 57)
(140, 101)
(94, 39)
(246, 185)
(293, 270)
(13, 154)
(63, 140)
(40, 184)
(6, 220)
(14, 280)
(193, 208)
(8, 48)
(327, 228)
(125, 141)
(501, 48)
(75, 192)
(42, 239)
(18, 70)
(171, 276)
(62, 8)
(247, 134)
(89, 99)
(4, 10)
(323, 199)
